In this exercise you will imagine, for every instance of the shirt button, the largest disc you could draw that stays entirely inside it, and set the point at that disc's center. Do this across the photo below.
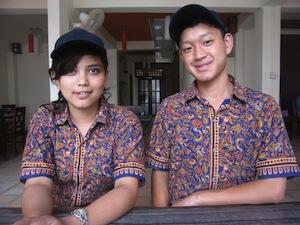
(225, 167)
(215, 120)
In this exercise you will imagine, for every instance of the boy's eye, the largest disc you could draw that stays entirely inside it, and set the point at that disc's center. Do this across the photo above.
(187, 49)
(207, 42)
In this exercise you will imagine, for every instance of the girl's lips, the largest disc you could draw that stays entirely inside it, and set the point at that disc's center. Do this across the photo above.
(83, 94)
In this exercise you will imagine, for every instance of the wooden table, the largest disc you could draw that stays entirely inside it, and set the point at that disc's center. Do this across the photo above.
(275, 214)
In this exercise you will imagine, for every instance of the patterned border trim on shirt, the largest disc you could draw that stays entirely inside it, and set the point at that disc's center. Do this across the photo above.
(133, 168)
(157, 162)
(37, 168)
(277, 166)
(270, 162)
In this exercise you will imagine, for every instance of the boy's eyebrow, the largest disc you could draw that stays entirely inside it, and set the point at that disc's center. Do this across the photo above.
(200, 36)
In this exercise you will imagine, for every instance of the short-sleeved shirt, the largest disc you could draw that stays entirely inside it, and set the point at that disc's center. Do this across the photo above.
(200, 148)
(83, 168)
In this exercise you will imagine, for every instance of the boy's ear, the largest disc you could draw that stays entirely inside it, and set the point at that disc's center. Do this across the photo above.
(228, 39)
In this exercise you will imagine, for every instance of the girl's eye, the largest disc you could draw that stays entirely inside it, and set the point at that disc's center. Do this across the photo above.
(94, 71)
(71, 73)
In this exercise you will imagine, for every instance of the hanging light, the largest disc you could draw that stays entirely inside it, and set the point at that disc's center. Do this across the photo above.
(124, 40)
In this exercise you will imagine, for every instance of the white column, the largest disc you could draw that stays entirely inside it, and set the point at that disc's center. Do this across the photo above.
(59, 14)
(258, 50)
(271, 25)
(112, 82)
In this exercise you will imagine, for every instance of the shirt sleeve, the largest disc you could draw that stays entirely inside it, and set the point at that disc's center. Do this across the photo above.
(276, 157)
(37, 156)
(129, 153)
(157, 155)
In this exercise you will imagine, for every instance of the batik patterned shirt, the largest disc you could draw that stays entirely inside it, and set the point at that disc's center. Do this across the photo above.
(83, 168)
(200, 148)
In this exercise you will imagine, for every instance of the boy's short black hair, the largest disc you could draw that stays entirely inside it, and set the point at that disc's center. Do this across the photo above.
(191, 15)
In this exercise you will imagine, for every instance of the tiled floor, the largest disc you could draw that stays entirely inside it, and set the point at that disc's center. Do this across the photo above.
(11, 188)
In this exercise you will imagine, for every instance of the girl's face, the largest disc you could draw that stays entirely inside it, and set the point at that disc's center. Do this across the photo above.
(84, 85)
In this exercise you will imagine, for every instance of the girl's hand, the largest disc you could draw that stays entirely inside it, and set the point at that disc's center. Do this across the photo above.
(43, 220)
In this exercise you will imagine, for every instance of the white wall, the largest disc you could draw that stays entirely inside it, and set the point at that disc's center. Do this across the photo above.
(3, 76)
(32, 81)
(248, 53)
(23, 76)
(258, 50)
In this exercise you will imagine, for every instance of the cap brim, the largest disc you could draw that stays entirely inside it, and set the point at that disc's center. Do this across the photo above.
(65, 47)
(191, 15)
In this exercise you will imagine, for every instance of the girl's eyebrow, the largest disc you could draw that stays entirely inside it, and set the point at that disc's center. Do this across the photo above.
(96, 65)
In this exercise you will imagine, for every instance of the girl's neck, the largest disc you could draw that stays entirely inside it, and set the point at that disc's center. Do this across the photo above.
(83, 119)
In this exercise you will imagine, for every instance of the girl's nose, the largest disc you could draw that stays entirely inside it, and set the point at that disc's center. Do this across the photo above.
(83, 81)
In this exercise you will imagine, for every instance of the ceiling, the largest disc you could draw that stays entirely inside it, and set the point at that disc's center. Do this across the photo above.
(136, 25)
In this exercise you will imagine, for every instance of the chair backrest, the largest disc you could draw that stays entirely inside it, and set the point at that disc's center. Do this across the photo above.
(298, 105)
(20, 120)
(9, 119)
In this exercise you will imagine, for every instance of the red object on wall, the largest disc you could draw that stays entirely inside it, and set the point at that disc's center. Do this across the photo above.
(124, 41)
(30, 42)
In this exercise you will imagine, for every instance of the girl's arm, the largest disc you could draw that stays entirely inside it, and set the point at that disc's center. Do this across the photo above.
(37, 197)
(112, 205)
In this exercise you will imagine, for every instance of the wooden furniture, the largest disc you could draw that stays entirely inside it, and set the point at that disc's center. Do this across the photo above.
(20, 131)
(291, 117)
(268, 214)
(9, 121)
(2, 138)
(296, 117)
(13, 130)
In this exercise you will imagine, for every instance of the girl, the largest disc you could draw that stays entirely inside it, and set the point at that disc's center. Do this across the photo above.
(81, 152)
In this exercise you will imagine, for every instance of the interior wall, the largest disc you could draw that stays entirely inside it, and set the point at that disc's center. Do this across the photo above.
(24, 79)
(248, 64)
(32, 81)
(15, 28)
(4, 98)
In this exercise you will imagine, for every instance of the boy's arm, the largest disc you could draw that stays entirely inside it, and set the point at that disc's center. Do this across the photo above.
(269, 190)
(159, 188)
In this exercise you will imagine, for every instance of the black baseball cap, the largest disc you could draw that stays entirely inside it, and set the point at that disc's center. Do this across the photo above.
(80, 37)
(191, 15)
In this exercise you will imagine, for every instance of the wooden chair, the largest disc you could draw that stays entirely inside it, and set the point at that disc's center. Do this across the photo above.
(8, 118)
(288, 113)
(3, 151)
(296, 115)
(20, 131)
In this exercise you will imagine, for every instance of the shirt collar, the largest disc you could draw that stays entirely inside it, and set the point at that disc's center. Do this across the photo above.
(101, 116)
(239, 91)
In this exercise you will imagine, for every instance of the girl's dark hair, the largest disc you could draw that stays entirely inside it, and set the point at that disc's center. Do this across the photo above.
(65, 63)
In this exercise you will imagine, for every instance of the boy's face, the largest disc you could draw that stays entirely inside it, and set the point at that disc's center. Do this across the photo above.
(204, 50)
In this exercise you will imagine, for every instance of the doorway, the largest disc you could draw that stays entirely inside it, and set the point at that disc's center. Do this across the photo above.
(149, 95)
